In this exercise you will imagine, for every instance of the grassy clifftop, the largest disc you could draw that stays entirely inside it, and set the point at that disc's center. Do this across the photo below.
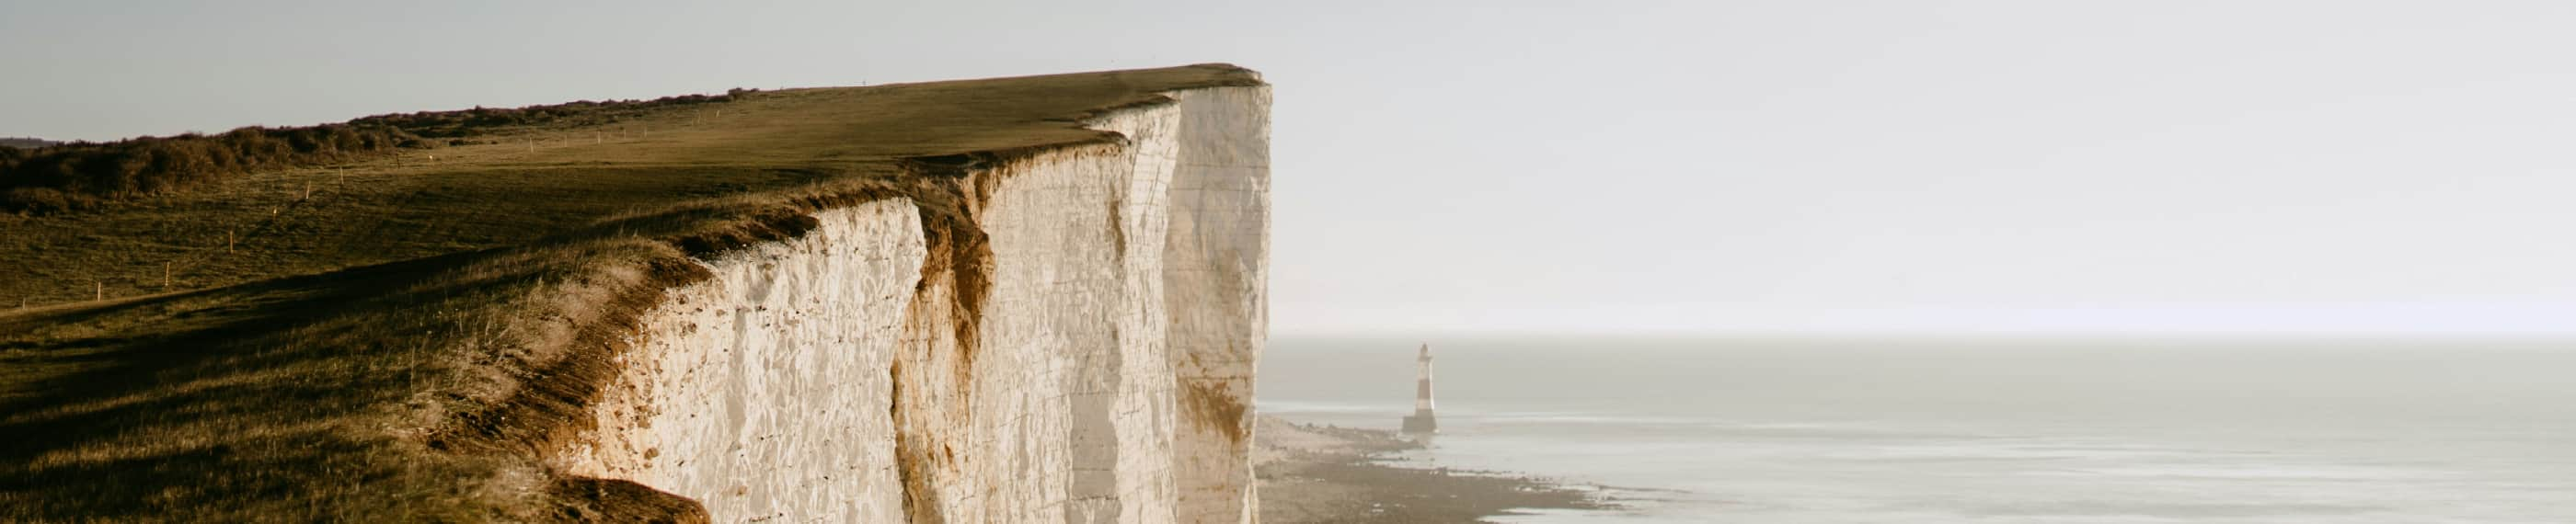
(401, 338)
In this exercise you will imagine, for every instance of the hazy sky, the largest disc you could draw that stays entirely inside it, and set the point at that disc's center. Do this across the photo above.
(1897, 166)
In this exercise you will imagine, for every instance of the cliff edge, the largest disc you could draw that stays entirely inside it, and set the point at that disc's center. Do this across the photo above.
(1021, 299)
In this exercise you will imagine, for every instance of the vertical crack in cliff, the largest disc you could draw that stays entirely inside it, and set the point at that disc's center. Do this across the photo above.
(1118, 232)
(956, 278)
(917, 465)
(952, 205)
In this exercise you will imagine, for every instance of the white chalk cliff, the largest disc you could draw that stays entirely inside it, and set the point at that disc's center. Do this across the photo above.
(1104, 374)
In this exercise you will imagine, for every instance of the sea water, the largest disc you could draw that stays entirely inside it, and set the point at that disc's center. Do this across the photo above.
(2015, 431)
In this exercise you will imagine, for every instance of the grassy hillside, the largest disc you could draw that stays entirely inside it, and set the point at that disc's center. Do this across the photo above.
(86, 176)
(400, 338)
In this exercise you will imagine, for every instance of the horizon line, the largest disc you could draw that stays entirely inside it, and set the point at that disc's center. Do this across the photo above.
(2283, 336)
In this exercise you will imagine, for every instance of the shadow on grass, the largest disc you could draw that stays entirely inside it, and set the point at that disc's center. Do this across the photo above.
(191, 402)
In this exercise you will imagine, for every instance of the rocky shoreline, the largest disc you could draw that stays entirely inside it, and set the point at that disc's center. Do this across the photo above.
(1311, 473)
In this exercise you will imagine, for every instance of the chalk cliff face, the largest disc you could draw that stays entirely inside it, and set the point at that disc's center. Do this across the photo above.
(1077, 347)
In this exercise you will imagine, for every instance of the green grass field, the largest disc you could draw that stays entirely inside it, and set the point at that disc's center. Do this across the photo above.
(400, 339)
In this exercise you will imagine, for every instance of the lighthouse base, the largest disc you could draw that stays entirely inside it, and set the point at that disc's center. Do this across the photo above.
(1421, 422)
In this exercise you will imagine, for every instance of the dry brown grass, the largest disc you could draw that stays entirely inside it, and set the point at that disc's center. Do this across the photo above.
(407, 343)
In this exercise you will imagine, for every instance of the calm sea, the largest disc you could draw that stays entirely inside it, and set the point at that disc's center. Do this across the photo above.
(2006, 432)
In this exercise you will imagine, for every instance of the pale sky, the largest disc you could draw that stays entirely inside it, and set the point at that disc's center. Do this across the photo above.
(2336, 167)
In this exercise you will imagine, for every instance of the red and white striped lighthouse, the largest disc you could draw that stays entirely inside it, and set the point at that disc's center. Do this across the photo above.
(1421, 421)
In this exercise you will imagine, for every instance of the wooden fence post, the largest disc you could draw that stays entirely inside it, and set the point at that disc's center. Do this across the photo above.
(165, 276)
(100, 288)
(228, 241)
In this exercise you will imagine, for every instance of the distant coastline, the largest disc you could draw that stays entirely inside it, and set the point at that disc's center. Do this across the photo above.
(25, 142)
(1316, 473)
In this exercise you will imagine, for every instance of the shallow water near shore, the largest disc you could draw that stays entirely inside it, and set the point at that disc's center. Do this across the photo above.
(1953, 431)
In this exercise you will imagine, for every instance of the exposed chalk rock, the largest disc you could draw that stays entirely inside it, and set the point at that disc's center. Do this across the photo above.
(1087, 358)
(1216, 277)
(762, 392)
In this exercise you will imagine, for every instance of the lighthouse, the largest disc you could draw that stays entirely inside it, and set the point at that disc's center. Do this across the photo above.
(1421, 421)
